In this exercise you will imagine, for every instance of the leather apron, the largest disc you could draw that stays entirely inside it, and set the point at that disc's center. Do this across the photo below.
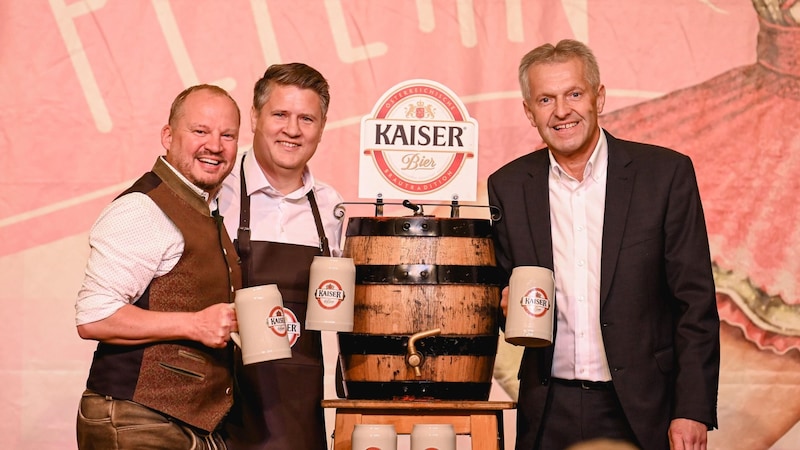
(278, 403)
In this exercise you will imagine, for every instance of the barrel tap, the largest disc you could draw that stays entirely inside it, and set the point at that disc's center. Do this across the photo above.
(414, 358)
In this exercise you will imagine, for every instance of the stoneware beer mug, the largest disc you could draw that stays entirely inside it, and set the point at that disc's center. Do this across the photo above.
(433, 436)
(262, 332)
(530, 307)
(331, 293)
(368, 436)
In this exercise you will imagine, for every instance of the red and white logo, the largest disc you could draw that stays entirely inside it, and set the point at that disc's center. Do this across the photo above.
(535, 302)
(276, 321)
(329, 294)
(292, 326)
(419, 142)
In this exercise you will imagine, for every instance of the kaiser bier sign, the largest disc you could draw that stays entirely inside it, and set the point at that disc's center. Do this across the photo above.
(419, 143)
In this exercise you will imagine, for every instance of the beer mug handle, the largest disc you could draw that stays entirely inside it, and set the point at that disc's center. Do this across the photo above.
(234, 335)
(236, 339)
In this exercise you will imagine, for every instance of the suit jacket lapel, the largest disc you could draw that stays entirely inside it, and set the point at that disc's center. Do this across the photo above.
(619, 186)
(536, 196)
(537, 207)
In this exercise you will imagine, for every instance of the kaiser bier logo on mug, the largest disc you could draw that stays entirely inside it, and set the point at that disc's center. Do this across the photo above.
(330, 294)
(530, 307)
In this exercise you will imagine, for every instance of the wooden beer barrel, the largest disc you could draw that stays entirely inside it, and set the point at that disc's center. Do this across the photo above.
(416, 274)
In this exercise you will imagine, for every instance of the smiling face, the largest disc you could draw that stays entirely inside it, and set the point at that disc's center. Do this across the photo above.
(564, 108)
(286, 132)
(201, 140)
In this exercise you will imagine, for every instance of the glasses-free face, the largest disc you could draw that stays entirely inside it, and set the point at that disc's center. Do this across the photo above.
(286, 131)
(564, 107)
(202, 143)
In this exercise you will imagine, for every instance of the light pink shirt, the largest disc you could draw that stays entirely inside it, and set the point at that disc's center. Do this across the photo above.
(576, 214)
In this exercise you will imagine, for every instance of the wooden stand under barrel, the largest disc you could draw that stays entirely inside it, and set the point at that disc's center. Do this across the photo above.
(482, 420)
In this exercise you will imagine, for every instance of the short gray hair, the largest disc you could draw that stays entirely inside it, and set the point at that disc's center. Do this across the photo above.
(565, 50)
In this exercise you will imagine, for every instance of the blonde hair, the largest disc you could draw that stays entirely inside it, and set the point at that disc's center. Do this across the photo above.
(177, 105)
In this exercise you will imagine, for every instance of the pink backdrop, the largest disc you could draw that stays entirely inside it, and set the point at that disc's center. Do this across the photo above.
(85, 87)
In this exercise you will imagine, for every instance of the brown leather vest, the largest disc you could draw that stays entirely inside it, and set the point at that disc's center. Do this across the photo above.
(182, 379)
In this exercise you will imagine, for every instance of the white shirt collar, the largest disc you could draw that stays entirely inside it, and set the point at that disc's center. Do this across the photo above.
(257, 181)
(597, 165)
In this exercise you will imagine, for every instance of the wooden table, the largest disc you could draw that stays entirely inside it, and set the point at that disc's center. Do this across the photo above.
(482, 420)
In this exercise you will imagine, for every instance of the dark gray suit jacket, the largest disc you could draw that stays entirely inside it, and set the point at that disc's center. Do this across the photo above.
(657, 302)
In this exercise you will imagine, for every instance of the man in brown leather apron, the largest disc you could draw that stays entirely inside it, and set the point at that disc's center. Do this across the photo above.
(282, 218)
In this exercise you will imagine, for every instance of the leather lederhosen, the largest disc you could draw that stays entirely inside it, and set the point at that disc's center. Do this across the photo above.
(277, 405)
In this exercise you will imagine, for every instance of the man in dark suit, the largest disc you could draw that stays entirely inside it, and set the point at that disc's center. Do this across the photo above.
(636, 342)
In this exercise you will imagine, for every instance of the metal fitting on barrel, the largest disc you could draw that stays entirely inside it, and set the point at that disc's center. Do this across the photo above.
(414, 358)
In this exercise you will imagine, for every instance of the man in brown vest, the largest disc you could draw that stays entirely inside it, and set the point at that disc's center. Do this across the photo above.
(160, 276)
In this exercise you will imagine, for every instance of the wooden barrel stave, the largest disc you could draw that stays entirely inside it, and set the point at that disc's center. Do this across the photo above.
(368, 250)
(408, 309)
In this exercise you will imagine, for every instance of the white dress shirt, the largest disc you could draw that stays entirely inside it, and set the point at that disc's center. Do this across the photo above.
(132, 242)
(276, 217)
(576, 214)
